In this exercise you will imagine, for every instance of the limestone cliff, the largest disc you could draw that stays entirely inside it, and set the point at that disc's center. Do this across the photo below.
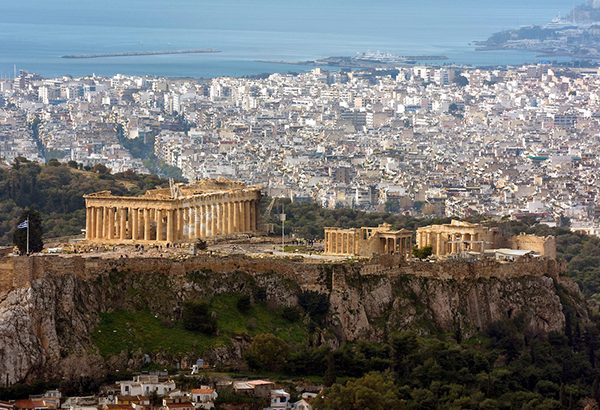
(48, 313)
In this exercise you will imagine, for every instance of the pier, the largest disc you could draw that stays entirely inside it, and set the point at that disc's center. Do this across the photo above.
(143, 53)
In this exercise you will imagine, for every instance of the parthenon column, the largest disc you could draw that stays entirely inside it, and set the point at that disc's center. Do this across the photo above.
(134, 224)
(241, 216)
(88, 222)
(178, 224)
(111, 222)
(159, 224)
(230, 212)
(170, 225)
(203, 221)
(247, 215)
(197, 222)
(99, 222)
(123, 223)
(213, 220)
(146, 224)
(235, 216)
(220, 219)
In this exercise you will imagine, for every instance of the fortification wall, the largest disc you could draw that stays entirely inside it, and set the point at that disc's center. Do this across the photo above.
(18, 272)
(545, 246)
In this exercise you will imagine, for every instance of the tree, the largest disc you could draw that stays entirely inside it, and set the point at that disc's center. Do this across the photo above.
(371, 392)
(422, 253)
(197, 316)
(268, 352)
(244, 303)
(329, 377)
(315, 303)
(36, 231)
(461, 80)
(392, 207)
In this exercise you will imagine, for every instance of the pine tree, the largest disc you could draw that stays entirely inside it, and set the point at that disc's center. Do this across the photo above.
(329, 378)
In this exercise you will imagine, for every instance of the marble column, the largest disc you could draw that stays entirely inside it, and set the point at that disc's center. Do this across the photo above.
(88, 222)
(159, 225)
(134, 223)
(220, 218)
(170, 225)
(213, 220)
(180, 224)
(203, 221)
(240, 214)
(197, 222)
(123, 223)
(230, 212)
(111, 222)
(99, 222)
(147, 224)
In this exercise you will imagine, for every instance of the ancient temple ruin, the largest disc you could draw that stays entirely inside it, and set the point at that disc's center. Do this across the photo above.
(179, 214)
(368, 241)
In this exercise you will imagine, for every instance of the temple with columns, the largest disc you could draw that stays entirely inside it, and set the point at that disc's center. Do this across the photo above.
(179, 214)
(368, 241)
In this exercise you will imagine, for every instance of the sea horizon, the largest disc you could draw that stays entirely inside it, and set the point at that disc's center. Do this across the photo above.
(37, 34)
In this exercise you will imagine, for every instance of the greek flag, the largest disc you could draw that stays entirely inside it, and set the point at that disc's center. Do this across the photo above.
(22, 225)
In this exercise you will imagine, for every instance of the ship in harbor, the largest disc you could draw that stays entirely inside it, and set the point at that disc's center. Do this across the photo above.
(379, 57)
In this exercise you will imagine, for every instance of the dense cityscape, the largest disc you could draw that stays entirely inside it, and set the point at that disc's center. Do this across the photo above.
(419, 140)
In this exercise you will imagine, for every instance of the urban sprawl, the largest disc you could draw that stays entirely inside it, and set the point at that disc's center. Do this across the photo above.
(421, 140)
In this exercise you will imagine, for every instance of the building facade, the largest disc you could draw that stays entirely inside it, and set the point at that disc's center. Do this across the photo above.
(368, 241)
(180, 214)
(457, 237)
(460, 237)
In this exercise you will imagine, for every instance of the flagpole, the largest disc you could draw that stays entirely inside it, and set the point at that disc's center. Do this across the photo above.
(27, 235)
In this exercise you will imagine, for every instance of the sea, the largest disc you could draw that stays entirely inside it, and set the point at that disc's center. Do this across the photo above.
(34, 34)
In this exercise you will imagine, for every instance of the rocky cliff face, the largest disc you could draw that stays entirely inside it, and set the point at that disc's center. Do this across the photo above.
(45, 328)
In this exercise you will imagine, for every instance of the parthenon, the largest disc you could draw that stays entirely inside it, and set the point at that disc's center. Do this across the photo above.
(180, 214)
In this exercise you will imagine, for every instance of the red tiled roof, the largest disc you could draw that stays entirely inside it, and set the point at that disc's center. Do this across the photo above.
(259, 382)
(202, 391)
(24, 404)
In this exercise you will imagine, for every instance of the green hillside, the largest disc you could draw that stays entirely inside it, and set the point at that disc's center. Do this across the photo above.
(57, 191)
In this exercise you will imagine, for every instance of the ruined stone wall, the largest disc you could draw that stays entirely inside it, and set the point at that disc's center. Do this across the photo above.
(18, 272)
(545, 246)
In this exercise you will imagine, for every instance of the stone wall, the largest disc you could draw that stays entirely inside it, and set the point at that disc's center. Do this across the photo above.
(545, 246)
(18, 272)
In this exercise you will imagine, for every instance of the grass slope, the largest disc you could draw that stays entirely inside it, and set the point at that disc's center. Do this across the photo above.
(129, 331)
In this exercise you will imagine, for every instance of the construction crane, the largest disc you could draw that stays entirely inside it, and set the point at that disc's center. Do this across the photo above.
(269, 208)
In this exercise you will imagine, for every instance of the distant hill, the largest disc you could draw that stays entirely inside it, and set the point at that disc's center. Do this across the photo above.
(588, 12)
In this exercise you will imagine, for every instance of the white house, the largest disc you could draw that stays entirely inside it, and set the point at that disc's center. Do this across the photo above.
(145, 384)
(279, 399)
(203, 398)
(304, 402)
